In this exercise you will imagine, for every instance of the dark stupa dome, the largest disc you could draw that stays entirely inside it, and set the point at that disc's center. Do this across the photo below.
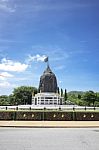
(48, 81)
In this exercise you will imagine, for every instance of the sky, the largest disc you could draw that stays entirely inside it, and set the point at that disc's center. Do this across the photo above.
(67, 31)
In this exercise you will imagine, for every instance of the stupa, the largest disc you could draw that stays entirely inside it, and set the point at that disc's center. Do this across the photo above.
(48, 89)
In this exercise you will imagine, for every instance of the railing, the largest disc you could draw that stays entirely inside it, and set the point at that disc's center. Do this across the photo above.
(49, 107)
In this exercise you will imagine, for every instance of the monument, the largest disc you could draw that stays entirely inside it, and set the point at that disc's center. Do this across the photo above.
(48, 89)
(48, 81)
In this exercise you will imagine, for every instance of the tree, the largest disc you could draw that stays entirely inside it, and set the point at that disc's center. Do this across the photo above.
(90, 97)
(97, 95)
(79, 96)
(61, 92)
(11, 99)
(23, 95)
(4, 100)
(65, 96)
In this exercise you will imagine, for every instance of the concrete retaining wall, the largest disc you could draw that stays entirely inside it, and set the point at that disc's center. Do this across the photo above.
(49, 115)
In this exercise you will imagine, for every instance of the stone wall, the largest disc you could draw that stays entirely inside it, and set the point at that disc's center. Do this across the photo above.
(49, 115)
(24, 115)
(58, 116)
(7, 115)
(87, 116)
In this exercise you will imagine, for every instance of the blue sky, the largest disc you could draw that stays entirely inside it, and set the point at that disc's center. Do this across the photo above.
(65, 30)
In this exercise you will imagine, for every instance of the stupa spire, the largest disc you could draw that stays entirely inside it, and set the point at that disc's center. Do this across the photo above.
(48, 81)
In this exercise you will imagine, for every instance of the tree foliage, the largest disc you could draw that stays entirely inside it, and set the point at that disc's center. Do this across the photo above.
(65, 96)
(61, 92)
(4, 100)
(90, 97)
(79, 96)
(23, 94)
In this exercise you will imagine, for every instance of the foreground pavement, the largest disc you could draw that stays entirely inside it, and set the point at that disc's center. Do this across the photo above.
(50, 124)
(49, 138)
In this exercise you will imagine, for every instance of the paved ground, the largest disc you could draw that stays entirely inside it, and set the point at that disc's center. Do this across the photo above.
(64, 124)
(49, 139)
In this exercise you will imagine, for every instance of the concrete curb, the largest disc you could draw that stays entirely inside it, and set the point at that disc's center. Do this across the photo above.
(50, 124)
(49, 127)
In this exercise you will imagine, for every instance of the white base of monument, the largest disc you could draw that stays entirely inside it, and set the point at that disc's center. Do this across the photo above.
(47, 99)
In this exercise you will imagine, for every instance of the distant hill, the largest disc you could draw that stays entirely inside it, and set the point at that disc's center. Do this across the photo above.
(75, 92)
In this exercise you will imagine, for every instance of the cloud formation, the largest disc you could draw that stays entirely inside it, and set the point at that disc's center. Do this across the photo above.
(6, 84)
(36, 58)
(6, 74)
(5, 6)
(9, 65)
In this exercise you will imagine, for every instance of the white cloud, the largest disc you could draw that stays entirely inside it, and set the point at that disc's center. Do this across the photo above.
(21, 79)
(6, 74)
(4, 0)
(60, 81)
(2, 78)
(6, 84)
(61, 67)
(36, 58)
(55, 53)
(9, 65)
(9, 41)
(5, 6)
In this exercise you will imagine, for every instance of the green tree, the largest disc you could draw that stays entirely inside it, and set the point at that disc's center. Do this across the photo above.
(23, 95)
(4, 100)
(11, 99)
(79, 96)
(61, 92)
(97, 95)
(65, 96)
(90, 97)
